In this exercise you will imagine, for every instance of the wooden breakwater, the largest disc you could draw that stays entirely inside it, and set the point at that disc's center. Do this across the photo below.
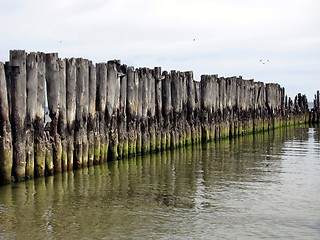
(111, 111)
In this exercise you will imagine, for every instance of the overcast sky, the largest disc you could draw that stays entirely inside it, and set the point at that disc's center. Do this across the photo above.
(224, 37)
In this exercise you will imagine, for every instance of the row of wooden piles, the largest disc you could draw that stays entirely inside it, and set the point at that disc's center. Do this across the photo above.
(110, 111)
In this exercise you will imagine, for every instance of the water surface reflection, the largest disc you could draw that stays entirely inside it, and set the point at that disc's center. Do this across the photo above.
(262, 186)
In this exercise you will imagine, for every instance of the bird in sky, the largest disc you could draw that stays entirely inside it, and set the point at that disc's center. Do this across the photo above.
(264, 62)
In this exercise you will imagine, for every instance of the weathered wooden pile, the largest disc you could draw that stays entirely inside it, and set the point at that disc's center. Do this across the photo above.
(110, 111)
(314, 116)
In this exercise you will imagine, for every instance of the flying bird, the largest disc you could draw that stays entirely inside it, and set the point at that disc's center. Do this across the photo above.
(264, 62)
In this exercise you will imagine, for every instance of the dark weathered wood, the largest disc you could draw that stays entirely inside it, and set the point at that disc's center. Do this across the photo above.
(8, 77)
(5, 131)
(190, 109)
(145, 102)
(92, 116)
(183, 120)
(316, 108)
(39, 122)
(53, 94)
(71, 82)
(80, 131)
(131, 110)
(85, 113)
(197, 111)
(224, 124)
(151, 109)
(49, 167)
(176, 100)
(31, 106)
(158, 107)
(206, 105)
(231, 88)
(122, 116)
(167, 111)
(101, 140)
(19, 94)
(62, 118)
(112, 105)
(259, 107)
(139, 111)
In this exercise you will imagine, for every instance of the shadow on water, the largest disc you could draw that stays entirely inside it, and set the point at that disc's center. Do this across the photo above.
(119, 198)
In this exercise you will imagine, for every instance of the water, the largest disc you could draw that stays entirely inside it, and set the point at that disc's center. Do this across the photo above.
(258, 187)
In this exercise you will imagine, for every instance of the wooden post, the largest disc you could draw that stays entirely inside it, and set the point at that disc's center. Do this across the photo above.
(62, 118)
(176, 99)
(224, 125)
(8, 78)
(158, 107)
(145, 101)
(317, 109)
(85, 112)
(198, 110)
(216, 111)
(131, 110)
(112, 104)
(31, 106)
(232, 104)
(5, 131)
(92, 117)
(206, 105)
(240, 104)
(183, 120)
(244, 111)
(80, 133)
(151, 109)
(259, 107)
(122, 116)
(39, 134)
(102, 140)
(53, 93)
(71, 82)
(139, 111)
(19, 94)
(167, 111)
(271, 104)
(190, 107)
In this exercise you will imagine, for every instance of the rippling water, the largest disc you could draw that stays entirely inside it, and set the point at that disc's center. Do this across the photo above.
(257, 187)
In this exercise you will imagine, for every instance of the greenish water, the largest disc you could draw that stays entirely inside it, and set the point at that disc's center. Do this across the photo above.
(257, 187)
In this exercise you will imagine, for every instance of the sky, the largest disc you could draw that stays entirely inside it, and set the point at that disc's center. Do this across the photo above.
(273, 41)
